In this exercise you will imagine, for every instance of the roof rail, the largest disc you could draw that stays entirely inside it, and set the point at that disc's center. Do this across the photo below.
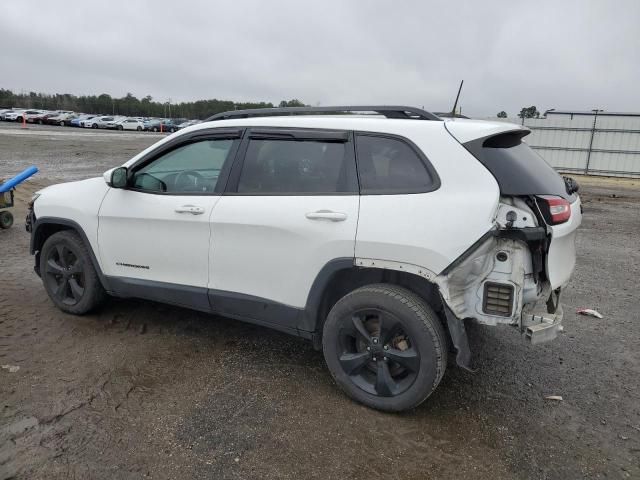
(387, 111)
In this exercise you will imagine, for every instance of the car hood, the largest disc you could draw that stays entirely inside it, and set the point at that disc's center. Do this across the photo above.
(61, 188)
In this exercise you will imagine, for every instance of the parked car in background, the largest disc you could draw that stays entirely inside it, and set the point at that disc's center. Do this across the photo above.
(40, 119)
(188, 123)
(130, 124)
(12, 115)
(60, 118)
(3, 112)
(98, 122)
(112, 124)
(173, 124)
(153, 124)
(29, 115)
(77, 121)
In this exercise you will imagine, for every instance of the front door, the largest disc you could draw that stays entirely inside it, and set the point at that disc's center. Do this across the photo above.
(156, 232)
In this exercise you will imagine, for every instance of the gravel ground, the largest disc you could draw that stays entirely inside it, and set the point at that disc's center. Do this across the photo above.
(143, 390)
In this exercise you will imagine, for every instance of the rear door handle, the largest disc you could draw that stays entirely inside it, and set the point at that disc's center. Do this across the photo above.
(192, 209)
(327, 215)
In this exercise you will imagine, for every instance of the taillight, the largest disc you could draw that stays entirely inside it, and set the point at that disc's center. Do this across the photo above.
(555, 209)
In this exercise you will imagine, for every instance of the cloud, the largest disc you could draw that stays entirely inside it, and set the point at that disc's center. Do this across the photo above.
(570, 54)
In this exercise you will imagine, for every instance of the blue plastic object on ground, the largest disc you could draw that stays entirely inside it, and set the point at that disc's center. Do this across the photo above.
(18, 179)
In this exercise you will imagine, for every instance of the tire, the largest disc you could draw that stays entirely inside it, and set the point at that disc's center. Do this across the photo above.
(171, 130)
(154, 129)
(6, 220)
(19, 119)
(139, 128)
(40, 122)
(120, 127)
(391, 322)
(68, 274)
(95, 125)
(61, 124)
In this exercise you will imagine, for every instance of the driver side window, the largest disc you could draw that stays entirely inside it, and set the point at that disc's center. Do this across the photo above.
(191, 168)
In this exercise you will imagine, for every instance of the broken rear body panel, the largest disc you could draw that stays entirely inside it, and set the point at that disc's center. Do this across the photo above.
(514, 274)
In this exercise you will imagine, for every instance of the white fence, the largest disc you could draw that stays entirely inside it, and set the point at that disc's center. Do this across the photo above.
(606, 144)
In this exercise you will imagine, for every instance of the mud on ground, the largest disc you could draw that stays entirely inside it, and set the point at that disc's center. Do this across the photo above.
(142, 390)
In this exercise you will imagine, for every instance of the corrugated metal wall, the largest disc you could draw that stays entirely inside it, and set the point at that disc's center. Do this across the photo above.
(571, 143)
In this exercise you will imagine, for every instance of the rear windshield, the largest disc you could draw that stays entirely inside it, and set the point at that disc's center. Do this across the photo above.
(518, 169)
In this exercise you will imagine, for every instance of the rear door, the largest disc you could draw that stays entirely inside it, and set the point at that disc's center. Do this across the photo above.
(290, 208)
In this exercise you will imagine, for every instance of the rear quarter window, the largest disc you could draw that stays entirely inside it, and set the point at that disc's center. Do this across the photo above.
(390, 165)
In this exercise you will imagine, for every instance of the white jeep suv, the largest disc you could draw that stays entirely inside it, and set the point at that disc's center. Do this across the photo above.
(372, 231)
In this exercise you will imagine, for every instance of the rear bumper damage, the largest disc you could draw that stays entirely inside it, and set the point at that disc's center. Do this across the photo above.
(542, 323)
(502, 279)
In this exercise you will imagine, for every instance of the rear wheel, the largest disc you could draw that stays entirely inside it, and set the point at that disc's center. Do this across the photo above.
(385, 347)
(95, 125)
(120, 127)
(6, 220)
(61, 124)
(139, 128)
(68, 274)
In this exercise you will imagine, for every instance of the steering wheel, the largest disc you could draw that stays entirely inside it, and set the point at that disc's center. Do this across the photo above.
(190, 180)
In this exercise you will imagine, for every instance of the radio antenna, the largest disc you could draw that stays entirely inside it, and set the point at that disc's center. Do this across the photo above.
(455, 105)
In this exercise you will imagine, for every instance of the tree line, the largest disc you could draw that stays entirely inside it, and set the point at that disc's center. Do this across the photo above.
(525, 112)
(129, 105)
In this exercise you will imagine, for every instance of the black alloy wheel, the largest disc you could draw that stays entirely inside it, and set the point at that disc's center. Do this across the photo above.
(385, 347)
(64, 274)
(69, 275)
(377, 354)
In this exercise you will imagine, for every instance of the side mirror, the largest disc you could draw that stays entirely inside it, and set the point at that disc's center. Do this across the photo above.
(118, 177)
(106, 176)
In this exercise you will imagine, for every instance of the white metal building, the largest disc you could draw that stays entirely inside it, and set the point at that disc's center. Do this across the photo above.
(589, 142)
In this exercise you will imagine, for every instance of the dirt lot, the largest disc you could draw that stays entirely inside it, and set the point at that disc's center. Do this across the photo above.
(142, 390)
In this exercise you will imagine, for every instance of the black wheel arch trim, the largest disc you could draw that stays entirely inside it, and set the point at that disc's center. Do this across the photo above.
(35, 243)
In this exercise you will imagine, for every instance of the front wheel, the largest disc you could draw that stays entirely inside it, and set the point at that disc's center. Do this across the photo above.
(385, 347)
(120, 127)
(139, 128)
(68, 274)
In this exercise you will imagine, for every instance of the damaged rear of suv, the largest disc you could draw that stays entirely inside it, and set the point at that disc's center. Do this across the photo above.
(515, 273)
(374, 233)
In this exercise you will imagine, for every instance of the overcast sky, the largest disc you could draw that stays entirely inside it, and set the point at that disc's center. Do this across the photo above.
(552, 54)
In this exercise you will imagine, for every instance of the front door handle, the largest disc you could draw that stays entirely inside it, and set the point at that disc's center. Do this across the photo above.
(327, 215)
(192, 209)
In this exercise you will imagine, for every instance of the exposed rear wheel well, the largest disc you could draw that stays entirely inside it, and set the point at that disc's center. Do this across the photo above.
(344, 281)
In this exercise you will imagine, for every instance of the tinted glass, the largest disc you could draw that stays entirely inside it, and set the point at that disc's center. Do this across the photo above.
(388, 165)
(288, 166)
(517, 168)
(192, 168)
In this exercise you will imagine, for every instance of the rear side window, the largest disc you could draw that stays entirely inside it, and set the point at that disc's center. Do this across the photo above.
(389, 165)
(274, 166)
